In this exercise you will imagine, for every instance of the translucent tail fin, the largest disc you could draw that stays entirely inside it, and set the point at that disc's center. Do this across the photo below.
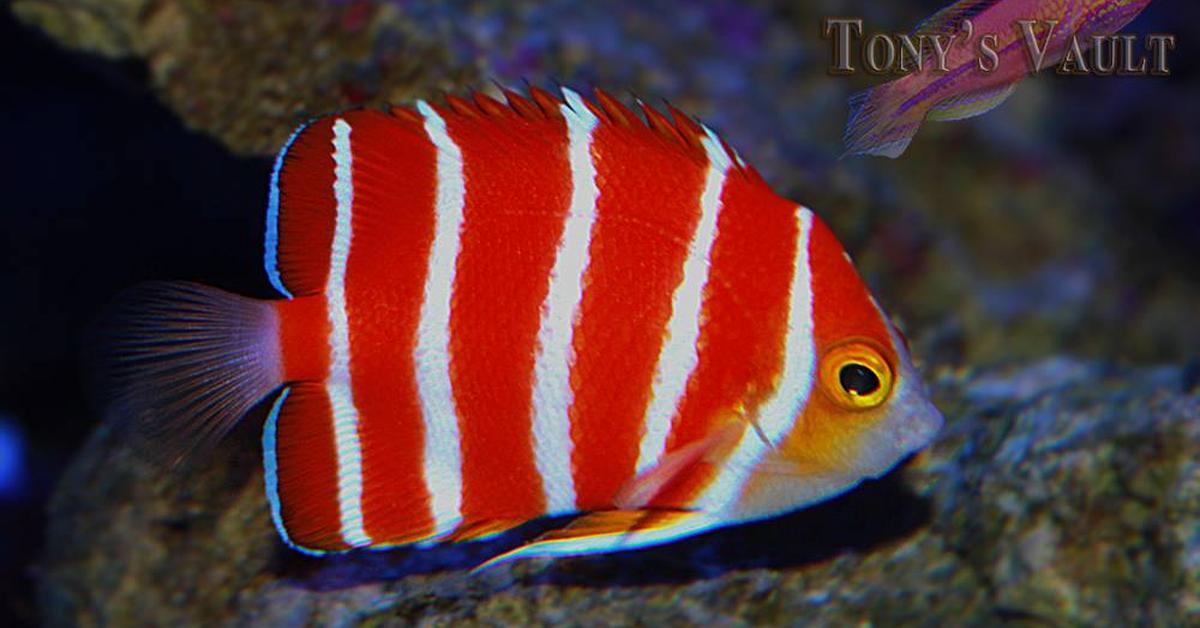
(876, 126)
(180, 363)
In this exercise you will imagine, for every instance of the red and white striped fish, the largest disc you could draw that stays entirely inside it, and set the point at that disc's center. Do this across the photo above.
(499, 311)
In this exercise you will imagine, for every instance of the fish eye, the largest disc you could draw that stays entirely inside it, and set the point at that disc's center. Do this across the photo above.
(858, 379)
(856, 376)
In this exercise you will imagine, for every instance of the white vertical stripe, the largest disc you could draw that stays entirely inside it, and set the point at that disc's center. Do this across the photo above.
(778, 414)
(442, 453)
(677, 357)
(341, 397)
(552, 365)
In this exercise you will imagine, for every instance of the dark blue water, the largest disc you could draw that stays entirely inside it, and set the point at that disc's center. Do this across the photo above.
(103, 187)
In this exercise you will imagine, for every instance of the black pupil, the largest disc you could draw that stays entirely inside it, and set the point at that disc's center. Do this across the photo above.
(858, 379)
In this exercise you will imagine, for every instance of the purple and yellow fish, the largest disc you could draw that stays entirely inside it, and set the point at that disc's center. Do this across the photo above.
(884, 119)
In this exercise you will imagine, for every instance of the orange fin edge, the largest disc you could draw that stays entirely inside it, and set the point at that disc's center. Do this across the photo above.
(610, 531)
(480, 530)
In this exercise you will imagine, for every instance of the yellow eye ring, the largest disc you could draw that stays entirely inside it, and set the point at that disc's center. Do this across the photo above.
(855, 375)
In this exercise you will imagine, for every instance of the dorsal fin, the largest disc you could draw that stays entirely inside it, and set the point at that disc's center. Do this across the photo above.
(617, 112)
(491, 106)
(522, 105)
(461, 105)
(547, 101)
(659, 123)
(313, 173)
(676, 127)
(689, 129)
(304, 185)
(301, 188)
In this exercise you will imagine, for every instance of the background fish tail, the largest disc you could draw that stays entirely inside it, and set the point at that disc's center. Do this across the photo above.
(180, 363)
(875, 127)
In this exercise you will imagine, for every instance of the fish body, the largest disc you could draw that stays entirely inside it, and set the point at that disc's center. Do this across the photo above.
(884, 119)
(494, 312)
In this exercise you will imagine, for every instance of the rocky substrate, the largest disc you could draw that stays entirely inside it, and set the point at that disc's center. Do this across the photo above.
(1060, 492)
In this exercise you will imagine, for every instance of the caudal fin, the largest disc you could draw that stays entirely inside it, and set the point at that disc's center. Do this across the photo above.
(876, 126)
(180, 363)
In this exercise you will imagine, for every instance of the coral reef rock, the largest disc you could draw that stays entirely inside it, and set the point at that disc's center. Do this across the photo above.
(1061, 492)
(211, 64)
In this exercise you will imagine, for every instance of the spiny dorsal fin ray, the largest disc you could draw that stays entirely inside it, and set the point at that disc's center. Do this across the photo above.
(302, 201)
(679, 129)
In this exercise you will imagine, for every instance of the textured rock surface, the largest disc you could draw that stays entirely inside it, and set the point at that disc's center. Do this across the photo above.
(209, 63)
(1060, 492)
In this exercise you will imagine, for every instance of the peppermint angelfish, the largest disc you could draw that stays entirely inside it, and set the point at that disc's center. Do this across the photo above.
(497, 311)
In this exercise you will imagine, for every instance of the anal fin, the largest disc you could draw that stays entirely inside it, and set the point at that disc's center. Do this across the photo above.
(481, 530)
(610, 531)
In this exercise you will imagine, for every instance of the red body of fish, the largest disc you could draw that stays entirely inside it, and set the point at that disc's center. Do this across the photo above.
(500, 311)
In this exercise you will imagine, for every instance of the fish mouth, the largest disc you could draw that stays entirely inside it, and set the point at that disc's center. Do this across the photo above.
(911, 424)
(915, 421)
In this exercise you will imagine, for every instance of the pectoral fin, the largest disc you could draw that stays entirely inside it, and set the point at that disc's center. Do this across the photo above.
(636, 523)
(610, 531)
(639, 492)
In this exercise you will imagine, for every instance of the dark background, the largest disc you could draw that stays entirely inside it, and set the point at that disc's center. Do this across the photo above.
(103, 188)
